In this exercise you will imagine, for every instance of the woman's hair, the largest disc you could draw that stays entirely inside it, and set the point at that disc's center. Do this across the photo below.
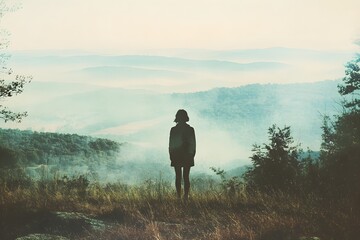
(181, 116)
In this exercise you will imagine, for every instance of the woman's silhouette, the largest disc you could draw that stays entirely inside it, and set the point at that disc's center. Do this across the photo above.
(182, 148)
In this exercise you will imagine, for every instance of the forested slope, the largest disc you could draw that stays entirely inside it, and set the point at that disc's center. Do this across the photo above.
(27, 148)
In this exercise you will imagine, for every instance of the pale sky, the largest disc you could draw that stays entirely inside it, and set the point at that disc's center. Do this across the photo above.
(195, 24)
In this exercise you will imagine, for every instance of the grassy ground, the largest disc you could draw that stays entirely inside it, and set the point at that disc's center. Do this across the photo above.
(151, 211)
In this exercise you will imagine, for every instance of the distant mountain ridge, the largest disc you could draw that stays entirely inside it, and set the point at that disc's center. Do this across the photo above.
(274, 53)
(150, 61)
(183, 70)
(257, 106)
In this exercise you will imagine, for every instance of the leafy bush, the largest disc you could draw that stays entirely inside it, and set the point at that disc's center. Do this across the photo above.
(276, 166)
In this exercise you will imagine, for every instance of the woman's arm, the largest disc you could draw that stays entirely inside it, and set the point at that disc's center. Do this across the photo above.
(192, 142)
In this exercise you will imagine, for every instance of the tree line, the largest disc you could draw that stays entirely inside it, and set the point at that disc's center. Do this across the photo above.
(26, 148)
(281, 165)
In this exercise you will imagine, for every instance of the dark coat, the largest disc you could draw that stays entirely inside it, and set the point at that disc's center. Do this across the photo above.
(182, 145)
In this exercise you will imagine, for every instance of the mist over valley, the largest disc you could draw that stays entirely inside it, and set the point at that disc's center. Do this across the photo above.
(133, 99)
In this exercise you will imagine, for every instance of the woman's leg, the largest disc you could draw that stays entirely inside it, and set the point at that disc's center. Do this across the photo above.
(178, 181)
(186, 175)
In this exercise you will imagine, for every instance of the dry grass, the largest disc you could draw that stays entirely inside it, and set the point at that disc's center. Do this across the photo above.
(151, 211)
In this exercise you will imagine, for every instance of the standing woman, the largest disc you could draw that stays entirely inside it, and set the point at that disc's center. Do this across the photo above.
(182, 148)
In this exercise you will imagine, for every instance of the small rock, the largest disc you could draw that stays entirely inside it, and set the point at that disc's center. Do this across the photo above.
(39, 236)
(73, 217)
(309, 238)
